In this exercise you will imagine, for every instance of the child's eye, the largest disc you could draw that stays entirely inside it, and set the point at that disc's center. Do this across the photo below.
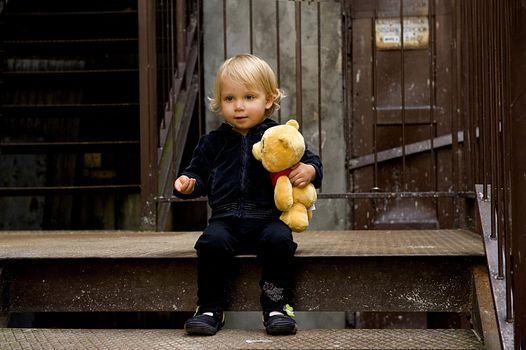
(250, 97)
(229, 98)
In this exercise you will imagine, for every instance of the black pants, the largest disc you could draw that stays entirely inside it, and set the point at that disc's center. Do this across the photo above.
(223, 239)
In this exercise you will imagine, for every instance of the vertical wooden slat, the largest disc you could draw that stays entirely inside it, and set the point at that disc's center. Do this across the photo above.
(433, 96)
(251, 26)
(402, 95)
(455, 110)
(278, 53)
(374, 81)
(319, 83)
(225, 17)
(201, 112)
(148, 112)
(299, 82)
(180, 37)
(432, 91)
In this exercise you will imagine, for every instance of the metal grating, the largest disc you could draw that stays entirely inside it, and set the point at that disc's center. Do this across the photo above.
(129, 339)
(389, 243)
(122, 244)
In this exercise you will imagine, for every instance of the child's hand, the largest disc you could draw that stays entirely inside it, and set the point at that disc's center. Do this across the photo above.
(184, 184)
(302, 174)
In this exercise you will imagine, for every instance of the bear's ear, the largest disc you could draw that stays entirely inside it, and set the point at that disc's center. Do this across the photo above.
(256, 150)
(293, 123)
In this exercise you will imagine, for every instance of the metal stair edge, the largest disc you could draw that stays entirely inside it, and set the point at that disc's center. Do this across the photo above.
(29, 338)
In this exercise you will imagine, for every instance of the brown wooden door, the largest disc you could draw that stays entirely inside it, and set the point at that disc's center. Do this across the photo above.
(402, 102)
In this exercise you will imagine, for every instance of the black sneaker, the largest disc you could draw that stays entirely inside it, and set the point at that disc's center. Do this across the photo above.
(201, 324)
(280, 324)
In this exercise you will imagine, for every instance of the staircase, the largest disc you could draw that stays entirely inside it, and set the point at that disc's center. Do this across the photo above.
(69, 134)
(406, 271)
(69, 113)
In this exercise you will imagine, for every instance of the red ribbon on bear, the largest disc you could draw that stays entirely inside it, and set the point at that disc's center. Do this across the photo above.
(275, 176)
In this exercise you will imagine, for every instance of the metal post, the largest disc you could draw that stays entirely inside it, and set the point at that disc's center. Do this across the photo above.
(148, 112)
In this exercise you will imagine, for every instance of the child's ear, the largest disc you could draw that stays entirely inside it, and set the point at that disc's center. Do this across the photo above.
(270, 102)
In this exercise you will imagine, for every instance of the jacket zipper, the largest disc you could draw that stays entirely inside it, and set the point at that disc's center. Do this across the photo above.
(243, 180)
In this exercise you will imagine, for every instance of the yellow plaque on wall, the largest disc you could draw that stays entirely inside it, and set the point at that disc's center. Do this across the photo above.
(389, 33)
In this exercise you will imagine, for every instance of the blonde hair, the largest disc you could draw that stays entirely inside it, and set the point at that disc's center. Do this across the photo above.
(252, 72)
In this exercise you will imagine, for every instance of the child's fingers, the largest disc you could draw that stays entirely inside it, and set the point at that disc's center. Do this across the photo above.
(184, 184)
(298, 179)
(178, 185)
(295, 171)
(191, 184)
(300, 175)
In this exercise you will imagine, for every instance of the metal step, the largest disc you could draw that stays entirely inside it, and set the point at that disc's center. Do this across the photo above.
(20, 338)
(117, 271)
(16, 245)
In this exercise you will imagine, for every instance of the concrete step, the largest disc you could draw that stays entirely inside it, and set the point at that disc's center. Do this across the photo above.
(114, 339)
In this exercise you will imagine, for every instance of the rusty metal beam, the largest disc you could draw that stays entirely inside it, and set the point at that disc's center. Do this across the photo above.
(403, 151)
(148, 111)
(359, 195)
(483, 315)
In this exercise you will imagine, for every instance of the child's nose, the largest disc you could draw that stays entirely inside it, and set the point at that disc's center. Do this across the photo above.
(239, 104)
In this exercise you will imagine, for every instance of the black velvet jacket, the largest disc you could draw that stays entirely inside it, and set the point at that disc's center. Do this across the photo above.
(235, 182)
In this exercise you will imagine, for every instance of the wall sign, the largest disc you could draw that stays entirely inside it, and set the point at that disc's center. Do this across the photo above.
(388, 33)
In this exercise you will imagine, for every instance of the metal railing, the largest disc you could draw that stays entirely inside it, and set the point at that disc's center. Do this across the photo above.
(169, 54)
(486, 48)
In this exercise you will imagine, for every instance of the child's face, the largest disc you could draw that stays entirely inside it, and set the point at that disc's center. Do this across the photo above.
(243, 107)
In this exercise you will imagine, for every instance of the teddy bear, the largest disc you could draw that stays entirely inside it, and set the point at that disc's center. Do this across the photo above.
(280, 148)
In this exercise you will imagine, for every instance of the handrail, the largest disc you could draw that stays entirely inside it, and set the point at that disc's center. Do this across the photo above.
(488, 39)
(498, 284)
(179, 104)
(365, 195)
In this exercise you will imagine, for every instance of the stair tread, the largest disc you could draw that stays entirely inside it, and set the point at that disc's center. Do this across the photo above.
(28, 338)
(130, 244)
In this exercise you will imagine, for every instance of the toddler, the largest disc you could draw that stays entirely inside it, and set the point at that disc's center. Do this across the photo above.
(241, 196)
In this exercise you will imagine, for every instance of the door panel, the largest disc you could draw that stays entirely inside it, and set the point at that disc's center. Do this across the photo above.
(402, 94)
